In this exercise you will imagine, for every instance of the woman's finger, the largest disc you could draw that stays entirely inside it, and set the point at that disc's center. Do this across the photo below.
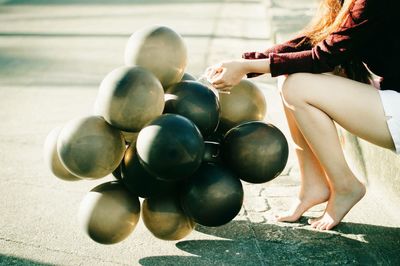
(220, 86)
(219, 77)
(217, 81)
(212, 71)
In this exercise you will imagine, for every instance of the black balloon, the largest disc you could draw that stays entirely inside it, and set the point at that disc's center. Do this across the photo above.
(138, 180)
(256, 151)
(213, 196)
(196, 102)
(211, 152)
(170, 147)
(187, 76)
(117, 172)
(217, 136)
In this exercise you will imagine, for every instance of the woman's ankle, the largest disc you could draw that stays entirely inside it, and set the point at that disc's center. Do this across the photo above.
(313, 192)
(348, 187)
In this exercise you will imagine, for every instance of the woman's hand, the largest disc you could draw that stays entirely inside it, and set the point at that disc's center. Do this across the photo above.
(225, 75)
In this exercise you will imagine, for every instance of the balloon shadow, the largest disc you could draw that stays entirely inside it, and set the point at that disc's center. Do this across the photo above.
(245, 243)
(13, 260)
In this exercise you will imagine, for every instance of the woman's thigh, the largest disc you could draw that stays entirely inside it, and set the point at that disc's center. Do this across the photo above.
(355, 106)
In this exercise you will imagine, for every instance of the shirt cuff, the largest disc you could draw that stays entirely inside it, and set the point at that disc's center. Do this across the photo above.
(254, 56)
(289, 63)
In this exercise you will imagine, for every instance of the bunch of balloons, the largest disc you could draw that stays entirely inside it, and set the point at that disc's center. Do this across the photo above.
(167, 138)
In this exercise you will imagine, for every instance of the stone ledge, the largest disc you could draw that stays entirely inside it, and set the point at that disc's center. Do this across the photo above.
(379, 168)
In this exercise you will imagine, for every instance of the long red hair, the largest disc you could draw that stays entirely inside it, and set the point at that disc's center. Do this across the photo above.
(329, 17)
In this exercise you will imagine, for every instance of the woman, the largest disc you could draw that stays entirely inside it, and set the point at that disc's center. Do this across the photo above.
(343, 38)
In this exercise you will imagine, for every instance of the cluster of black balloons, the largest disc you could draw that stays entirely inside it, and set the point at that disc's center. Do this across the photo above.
(167, 138)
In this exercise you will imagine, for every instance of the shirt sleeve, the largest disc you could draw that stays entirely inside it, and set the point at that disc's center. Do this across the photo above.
(337, 48)
(296, 44)
(299, 43)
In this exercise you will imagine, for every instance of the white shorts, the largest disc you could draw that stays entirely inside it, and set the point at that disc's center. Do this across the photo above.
(391, 106)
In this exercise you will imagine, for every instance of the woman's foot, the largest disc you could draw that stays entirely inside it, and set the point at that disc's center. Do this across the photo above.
(309, 196)
(339, 204)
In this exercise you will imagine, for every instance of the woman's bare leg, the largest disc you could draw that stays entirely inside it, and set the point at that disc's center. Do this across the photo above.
(316, 101)
(314, 187)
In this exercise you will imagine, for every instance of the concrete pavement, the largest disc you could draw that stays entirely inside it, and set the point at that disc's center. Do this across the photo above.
(52, 59)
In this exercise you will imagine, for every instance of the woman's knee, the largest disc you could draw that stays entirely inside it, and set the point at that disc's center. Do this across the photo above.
(293, 89)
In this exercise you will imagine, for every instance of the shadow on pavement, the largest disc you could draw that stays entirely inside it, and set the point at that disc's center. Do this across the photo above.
(11, 260)
(248, 243)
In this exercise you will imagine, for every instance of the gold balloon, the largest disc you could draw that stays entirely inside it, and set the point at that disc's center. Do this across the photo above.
(51, 157)
(130, 97)
(244, 103)
(109, 213)
(130, 136)
(159, 49)
(90, 148)
(164, 218)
